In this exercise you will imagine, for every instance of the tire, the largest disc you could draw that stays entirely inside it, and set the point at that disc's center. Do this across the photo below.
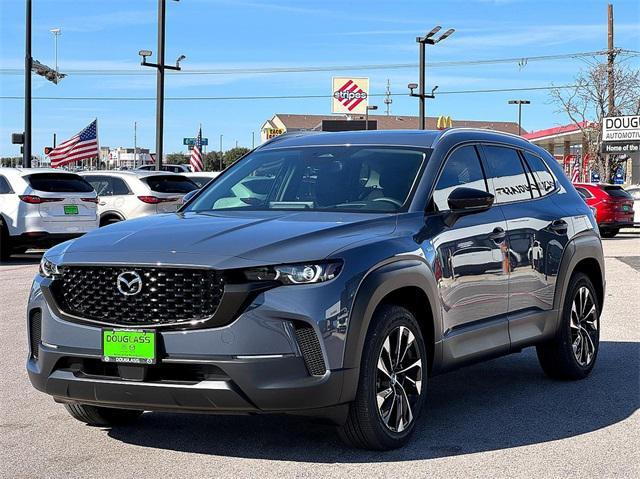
(573, 352)
(609, 232)
(5, 250)
(109, 221)
(102, 416)
(365, 427)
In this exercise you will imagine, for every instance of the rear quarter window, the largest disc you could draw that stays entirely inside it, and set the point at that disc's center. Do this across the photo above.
(58, 183)
(5, 187)
(170, 184)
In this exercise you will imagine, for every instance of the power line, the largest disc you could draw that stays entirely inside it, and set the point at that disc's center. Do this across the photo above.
(334, 68)
(272, 97)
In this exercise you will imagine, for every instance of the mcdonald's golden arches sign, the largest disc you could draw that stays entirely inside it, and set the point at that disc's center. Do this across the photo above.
(444, 122)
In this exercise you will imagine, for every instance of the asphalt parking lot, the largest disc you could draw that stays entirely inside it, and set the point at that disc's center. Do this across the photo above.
(502, 418)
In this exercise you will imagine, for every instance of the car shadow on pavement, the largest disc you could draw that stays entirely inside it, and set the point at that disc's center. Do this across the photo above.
(504, 403)
(32, 257)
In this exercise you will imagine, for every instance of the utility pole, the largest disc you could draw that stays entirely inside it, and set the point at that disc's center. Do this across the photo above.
(611, 55)
(366, 118)
(519, 103)
(135, 144)
(28, 63)
(253, 140)
(423, 42)
(220, 151)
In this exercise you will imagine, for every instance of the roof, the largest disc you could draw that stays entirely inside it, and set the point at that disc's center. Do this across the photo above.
(393, 122)
(555, 131)
(29, 171)
(127, 173)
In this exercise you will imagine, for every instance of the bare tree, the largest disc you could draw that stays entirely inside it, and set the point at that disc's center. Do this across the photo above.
(586, 103)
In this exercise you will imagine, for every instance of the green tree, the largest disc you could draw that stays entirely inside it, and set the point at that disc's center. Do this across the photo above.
(232, 155)
(176, 158)
(212, 161)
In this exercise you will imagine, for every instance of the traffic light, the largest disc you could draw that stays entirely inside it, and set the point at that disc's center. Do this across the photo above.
(47, 150)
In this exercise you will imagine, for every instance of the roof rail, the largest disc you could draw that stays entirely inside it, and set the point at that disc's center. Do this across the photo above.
(484, 130)
(288, 134)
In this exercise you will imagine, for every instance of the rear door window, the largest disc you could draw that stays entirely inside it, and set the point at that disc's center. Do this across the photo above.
(509, 179)
(170, 184)
(119, 186)
(58, 183)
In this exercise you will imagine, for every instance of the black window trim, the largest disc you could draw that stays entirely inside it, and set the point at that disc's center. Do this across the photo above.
(519, 151)
(475, 144)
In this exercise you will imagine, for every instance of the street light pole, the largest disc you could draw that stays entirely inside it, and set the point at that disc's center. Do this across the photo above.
(519, 103)
(422, 96)
(369, 108)
(56, 33)
(28, 63)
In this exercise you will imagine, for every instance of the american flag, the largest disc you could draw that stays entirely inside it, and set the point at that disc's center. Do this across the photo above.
(196, 154)
(575, 173)
(82, 146)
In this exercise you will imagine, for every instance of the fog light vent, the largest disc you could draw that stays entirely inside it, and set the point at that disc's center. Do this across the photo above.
(310, 349)
(35, 331)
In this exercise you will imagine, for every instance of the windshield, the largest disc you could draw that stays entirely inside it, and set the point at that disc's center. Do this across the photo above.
(340, 178)
(58, 183)
(170, 184)
(616, 191)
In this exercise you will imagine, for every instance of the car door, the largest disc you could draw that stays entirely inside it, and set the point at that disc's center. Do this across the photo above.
(104, 189)
(472, 273)
(536, 236)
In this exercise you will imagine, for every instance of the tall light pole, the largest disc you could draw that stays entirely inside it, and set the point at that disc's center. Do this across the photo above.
(28, 63)
(423, 42)
(366, 121)
(56, 33)
(519, 103)
(160, 67)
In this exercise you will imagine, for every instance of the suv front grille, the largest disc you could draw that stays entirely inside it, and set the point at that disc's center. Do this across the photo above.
(167, 296)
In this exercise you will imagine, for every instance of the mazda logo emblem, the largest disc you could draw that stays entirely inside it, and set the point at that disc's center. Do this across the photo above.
(129, 283)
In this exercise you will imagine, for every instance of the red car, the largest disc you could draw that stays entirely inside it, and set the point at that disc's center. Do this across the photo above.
(613, 206)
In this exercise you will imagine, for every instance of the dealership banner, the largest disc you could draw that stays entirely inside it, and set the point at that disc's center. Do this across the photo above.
(350, 95)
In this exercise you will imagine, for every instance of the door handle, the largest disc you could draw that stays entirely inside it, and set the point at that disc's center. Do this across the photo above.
(102, 203)
(559, 226)
(498, 235)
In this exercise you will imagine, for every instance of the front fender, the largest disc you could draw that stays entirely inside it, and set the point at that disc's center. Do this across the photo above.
(374, 287)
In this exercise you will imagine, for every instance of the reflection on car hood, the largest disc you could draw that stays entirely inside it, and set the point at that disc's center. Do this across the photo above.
(225, 239)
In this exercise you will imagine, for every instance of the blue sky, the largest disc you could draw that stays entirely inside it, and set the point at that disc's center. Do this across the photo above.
(101, 34)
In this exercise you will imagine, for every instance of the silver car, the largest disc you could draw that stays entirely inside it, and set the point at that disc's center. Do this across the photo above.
(129, 194)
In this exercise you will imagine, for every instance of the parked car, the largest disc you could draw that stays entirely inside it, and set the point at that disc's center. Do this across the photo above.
(373, 261)
(170, 168)
(634, 191)
(129, 194)
(201, 178)
(40, 207)
(614, 206)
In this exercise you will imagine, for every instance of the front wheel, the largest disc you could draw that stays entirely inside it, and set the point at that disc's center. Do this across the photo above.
(102, 416)
(392, 383)
(573, 352)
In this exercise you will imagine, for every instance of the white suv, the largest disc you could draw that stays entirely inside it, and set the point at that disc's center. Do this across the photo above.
(129, 194)
(40, 207)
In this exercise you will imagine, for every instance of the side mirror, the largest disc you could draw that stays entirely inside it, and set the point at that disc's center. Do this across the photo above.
(188, 196)
(465, 201)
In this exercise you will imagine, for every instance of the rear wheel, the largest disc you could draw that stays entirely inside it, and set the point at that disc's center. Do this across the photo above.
(109, 220)
(573, 352)
(102, 416)
(392, 383)
(609, 232)
(4, 242)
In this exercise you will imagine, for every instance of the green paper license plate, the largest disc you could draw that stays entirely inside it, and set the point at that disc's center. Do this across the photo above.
(129, 346)
(70, 209)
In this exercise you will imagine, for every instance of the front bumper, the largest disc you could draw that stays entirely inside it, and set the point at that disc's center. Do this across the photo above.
(254, 364)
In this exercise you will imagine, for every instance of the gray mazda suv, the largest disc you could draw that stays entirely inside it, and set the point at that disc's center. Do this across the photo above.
(327, 275)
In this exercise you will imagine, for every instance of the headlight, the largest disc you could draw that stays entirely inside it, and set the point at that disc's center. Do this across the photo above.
(308, 273)
(48, 269)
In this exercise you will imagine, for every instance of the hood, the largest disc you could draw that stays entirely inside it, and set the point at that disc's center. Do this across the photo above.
(225, 239)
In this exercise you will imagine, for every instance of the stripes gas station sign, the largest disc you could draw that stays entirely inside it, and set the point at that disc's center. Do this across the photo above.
(350, 95)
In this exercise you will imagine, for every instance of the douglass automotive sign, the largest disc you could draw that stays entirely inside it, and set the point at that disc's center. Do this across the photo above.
(621, 128)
